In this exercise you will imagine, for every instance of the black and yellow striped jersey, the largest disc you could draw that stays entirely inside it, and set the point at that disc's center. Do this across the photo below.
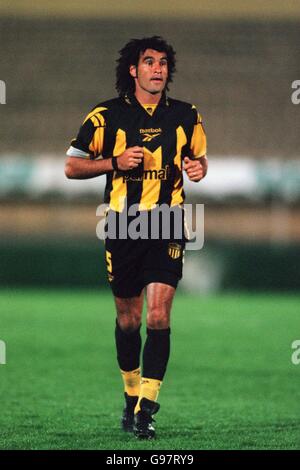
(168, 132)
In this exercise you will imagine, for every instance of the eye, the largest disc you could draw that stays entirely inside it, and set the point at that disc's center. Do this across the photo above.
(149, 61)
(163, 62)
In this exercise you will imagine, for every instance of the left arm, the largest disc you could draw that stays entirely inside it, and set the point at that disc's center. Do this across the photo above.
(196, 166)
(196, 169)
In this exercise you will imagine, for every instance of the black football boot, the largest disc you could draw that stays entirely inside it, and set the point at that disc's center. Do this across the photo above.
(127, 419)
(143, 427)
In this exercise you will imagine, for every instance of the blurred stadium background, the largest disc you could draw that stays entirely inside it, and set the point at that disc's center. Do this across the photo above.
(236, 62)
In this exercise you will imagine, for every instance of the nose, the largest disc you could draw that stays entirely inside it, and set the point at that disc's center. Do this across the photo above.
(157, 67)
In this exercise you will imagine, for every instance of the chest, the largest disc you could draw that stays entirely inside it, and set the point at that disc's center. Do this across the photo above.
(164, 131)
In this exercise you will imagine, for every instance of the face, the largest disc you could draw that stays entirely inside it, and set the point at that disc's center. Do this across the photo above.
(151, 73)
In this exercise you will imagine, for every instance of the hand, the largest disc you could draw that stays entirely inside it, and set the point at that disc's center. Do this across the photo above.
(131, 158)
(195, 169)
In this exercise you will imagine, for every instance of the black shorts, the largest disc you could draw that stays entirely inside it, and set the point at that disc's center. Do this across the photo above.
(132, 264)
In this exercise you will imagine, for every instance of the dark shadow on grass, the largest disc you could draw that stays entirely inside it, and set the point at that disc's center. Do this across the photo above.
(33, 427)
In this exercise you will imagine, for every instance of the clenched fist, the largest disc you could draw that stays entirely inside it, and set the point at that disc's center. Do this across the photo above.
(195, 169)
(131, 158)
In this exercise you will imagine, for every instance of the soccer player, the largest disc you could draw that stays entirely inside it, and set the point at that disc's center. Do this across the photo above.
(142, 140)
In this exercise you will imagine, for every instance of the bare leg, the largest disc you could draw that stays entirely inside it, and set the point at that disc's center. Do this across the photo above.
(159, 303)
(128, 346)
(129, 312)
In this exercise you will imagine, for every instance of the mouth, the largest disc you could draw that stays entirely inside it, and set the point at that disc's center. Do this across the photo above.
(156, 79)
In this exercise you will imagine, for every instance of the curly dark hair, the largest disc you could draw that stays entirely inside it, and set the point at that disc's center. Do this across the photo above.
(130, 55)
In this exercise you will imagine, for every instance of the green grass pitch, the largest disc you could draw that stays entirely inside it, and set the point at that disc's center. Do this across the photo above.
(230, 383)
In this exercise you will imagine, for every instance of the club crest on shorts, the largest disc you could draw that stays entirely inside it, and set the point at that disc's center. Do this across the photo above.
(174, 250)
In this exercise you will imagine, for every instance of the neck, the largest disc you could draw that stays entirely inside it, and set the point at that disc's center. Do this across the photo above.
(144, 97)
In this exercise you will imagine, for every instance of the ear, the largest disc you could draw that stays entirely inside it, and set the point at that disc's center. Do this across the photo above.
(132, 71)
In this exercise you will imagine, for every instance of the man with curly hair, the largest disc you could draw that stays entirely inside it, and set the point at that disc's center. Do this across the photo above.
(142, 140)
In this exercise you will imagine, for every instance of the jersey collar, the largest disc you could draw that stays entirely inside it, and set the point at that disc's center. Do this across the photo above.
(131, 100)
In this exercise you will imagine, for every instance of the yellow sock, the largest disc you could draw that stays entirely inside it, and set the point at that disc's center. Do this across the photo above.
(149, 389)
(132, 382)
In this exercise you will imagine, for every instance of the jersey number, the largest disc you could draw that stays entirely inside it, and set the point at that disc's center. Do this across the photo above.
(108, 261)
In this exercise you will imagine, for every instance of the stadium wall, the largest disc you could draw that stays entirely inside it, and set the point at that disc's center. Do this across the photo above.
(219, 266)
(238, 73)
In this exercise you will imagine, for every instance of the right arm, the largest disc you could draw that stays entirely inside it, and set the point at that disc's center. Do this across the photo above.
(82, 168)
(83, 160)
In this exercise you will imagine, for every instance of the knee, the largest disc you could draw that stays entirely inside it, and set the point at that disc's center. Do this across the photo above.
(157, 318)
(129, 322)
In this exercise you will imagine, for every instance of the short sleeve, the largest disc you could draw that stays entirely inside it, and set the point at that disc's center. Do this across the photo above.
(198, 140)
(90, 138)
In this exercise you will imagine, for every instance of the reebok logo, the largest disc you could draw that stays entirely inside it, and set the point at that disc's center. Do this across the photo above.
(150, 134)
(149, 137)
